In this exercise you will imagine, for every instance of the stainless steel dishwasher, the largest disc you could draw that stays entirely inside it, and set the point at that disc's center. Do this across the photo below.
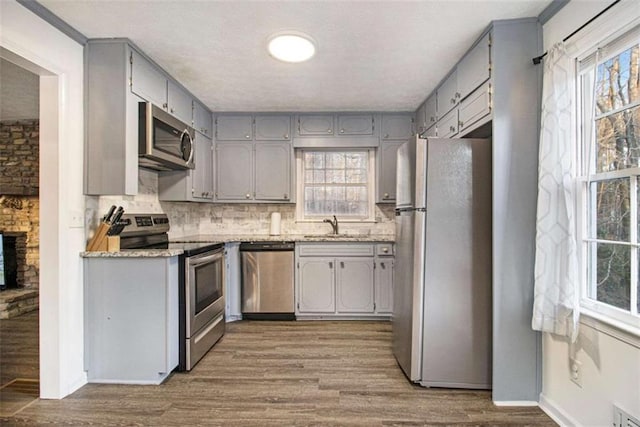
(267, 280)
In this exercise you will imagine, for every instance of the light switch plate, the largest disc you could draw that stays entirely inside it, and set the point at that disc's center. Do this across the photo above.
(76, 219)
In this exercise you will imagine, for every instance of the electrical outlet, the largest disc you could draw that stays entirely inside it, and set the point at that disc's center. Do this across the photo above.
(575, 371)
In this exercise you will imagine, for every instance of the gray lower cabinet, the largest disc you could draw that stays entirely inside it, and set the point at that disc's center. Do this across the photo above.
(195, 185)
(316, 285)
(383, 266)
(340, 280)
(354, 285)
(253, 171)
(131, 319)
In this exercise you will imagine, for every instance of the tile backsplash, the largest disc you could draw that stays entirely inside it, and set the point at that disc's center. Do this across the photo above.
(188, 218)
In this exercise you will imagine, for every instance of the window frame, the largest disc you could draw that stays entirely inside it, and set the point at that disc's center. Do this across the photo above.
(300, 185)
(586, 175)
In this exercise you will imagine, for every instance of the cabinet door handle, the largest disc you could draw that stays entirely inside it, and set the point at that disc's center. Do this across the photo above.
(382, 265)
(247, 136)
(452, 129)
(458, 95)
(341, 130)
(341, 264)
(165, 105)
(385, 196)
(329, 130)
(386, 136)
(172, 111)
(286, 136)
(385, 250)
(286, 196)
(453, 100)
(330, 264)
(432, 118)
(460, 124)
(248, 196)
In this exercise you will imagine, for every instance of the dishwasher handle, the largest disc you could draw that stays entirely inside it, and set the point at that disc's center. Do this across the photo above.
(266, 246)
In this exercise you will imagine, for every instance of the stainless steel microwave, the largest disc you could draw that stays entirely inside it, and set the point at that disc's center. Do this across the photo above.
(164, 142)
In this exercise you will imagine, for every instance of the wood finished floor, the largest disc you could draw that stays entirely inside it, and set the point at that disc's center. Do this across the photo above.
(283, 374)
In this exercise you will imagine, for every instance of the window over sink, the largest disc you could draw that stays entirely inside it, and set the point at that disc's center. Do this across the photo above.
(335, 182)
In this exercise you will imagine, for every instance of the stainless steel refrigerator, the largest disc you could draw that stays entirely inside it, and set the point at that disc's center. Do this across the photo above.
(442, 276)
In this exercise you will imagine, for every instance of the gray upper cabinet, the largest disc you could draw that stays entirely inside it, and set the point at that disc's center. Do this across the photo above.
(355, 124)
(203, 172)
(202, 119)
(234, 171)
(447, 94)
(448, 125)
(396, 126)
(272, 127)
(475, 67)
(273, 171)
(147, 81)
(474, 107)
(195, 185)
(315, 125)
(426, 116)
(386, 177)
(180, 103)
(152, 84)
(234, 127)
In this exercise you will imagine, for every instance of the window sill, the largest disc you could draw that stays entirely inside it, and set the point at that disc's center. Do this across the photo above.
(621, 331)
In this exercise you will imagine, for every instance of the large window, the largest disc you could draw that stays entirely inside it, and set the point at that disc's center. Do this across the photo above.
(610, 101)
(335, 183)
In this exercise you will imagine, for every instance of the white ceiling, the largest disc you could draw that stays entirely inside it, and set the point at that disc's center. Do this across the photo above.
(372, 55)
(19, 92)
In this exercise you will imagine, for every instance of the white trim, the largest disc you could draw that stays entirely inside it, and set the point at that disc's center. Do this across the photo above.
(515, 403)
(371, 187)
(605, 324)
(556, 413)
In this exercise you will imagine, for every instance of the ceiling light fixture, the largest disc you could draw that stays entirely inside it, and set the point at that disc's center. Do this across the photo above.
(291, 46)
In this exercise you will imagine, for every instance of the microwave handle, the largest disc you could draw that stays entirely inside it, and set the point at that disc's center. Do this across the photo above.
(186, 131)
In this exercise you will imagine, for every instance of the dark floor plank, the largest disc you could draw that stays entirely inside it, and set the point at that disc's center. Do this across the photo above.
(280, 374)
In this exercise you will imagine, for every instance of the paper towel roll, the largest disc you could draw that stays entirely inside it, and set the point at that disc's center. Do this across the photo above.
(275, 224)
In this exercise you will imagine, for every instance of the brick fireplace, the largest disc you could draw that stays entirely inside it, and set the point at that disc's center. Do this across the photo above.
(19, 215)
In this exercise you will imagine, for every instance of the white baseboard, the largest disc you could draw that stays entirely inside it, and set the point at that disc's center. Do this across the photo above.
(555, 413)
(515, 403)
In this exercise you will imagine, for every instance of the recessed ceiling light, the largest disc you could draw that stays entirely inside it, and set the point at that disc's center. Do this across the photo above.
(291, 46)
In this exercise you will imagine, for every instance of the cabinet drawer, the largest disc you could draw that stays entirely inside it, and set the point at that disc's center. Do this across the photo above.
(384, 249)
(335, 249)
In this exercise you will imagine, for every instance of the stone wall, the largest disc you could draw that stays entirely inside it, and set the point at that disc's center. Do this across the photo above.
(19, 153)
(19, 204)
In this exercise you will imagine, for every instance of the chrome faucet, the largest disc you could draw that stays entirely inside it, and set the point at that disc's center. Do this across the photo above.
(334, 224)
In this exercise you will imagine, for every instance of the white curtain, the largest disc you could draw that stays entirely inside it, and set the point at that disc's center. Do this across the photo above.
(556, 297)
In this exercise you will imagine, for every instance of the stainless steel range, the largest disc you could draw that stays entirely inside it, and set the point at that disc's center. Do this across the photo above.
(201, 281)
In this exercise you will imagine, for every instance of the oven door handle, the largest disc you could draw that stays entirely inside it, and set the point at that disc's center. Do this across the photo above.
(197, 261)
